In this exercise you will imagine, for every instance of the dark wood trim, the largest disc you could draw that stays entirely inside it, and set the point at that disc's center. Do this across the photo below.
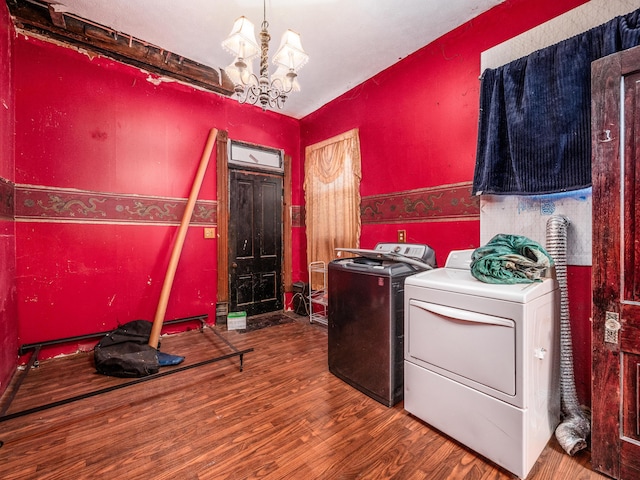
(614, 370)
(42, 21)
(287, 225)
(222, 188)
(222, 175)
(605, 128)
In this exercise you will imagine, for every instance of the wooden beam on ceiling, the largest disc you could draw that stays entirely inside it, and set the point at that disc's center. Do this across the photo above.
(46, 21)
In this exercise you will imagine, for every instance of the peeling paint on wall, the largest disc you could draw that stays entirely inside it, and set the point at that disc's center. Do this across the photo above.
(528, 215)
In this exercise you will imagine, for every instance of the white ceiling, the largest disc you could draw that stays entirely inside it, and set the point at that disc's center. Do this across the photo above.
(348, 41)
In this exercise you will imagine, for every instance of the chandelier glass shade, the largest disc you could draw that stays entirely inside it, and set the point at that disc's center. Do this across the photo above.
(268, 91)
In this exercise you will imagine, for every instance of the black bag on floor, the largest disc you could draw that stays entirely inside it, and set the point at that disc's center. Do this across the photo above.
(301, 298)
(125, 351)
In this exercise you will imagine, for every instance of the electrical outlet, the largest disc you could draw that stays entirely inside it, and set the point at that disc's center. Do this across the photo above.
(402, 236)
(210, 232)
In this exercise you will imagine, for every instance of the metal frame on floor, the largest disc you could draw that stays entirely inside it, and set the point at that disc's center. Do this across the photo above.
(35, 348)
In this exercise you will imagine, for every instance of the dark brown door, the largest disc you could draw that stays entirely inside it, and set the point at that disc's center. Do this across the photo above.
(255, 242)
(616, 272)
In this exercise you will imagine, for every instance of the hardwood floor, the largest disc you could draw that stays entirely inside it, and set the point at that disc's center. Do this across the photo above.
(284, 417)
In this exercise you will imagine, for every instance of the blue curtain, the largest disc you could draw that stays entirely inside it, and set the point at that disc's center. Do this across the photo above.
(534, 134)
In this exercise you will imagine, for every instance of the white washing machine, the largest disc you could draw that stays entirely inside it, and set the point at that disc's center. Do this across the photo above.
(482, 361)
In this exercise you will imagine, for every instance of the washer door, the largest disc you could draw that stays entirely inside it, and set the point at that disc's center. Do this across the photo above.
(467, 346)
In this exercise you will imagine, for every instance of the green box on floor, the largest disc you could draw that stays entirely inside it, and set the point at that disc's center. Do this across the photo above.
(237, 320)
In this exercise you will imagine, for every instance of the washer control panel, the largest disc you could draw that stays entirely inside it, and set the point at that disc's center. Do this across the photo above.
(414, 250)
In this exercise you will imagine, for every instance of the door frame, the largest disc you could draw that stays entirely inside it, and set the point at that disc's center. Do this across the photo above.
(610, 447)
(222, 201)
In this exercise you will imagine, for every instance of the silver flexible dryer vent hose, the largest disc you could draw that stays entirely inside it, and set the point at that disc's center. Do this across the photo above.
(573, 431)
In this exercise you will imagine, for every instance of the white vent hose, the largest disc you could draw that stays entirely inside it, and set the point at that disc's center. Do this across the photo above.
(573, 431)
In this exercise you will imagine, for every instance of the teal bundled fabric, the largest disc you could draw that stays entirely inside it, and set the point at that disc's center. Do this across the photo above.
(510, 259)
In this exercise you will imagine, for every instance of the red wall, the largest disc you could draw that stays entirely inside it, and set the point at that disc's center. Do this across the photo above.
(101, 128)
(8, 316)
(94, 125)
(418, 121)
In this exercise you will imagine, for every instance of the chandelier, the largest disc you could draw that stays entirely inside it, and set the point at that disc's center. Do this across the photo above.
(251, 88)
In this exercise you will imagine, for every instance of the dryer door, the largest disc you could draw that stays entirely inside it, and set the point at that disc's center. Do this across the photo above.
(467, 346)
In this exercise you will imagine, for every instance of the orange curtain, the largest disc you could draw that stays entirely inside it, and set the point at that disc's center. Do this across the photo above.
(332, 196)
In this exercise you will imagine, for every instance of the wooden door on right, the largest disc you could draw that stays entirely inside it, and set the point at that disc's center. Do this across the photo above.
(615, 439)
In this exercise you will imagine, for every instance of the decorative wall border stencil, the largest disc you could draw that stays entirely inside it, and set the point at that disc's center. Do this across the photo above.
(444, 203)
(6, 199)
(50, 204)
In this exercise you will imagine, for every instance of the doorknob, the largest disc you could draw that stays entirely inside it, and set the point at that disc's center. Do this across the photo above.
(234, 265)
